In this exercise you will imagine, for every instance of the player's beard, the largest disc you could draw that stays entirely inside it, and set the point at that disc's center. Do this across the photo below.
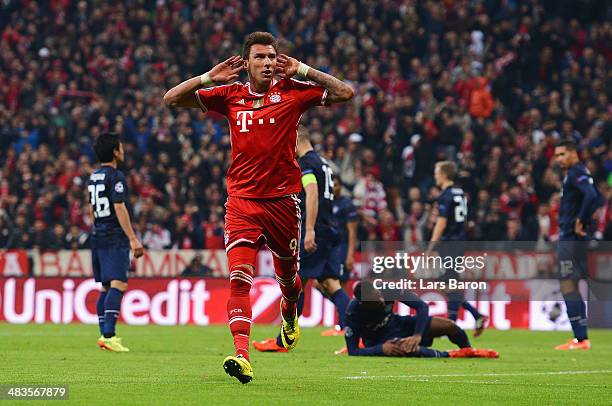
(264, 82)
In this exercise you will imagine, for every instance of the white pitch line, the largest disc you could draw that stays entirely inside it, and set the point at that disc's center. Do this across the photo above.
(601, 371)
(496, 382)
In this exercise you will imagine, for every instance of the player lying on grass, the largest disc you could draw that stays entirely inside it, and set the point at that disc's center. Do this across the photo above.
(320, 253)
(421, 317)
(371, 319)
(264, 178)
(112, 237)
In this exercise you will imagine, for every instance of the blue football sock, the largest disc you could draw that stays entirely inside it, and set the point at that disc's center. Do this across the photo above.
(300, 307)
(576, 312)
(475, 313)
(460, 338)
(427, 352)
(100, 310)
(112, 304)
(454, 303)
(453, 310)
(341, 300)
(300, 304)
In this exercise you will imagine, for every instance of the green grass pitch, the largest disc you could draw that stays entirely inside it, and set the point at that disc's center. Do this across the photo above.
(182, 365)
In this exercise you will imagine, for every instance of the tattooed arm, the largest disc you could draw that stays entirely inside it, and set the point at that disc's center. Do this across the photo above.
(337, 90)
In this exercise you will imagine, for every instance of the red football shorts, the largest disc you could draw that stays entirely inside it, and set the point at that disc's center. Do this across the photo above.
(275, 222)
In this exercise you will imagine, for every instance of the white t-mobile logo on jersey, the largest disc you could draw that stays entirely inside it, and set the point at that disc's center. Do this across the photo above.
(245, 118)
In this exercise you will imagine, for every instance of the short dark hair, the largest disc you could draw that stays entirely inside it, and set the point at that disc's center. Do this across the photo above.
(303, 134)
(104, 146)
(569, 144)
(448, 168)
(357, 291)
(364, 291)
(258, 38)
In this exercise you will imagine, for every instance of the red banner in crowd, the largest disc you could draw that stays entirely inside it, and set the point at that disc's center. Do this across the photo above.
(171, 263)
(154, 264)
(203, 301)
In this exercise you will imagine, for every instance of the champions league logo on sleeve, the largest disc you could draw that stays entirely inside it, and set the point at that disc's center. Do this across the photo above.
(119, 187)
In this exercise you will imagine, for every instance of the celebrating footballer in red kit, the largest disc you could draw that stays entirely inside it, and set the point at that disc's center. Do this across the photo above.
(264, 179)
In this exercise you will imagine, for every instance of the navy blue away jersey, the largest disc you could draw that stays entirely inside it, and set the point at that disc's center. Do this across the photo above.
(376, 325)
(579, 200)
(106, 187)
(312, 163)
(369, 323)
(453, 206)
(344, 212)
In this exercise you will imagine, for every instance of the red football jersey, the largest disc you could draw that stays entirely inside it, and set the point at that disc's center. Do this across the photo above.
(263, 133)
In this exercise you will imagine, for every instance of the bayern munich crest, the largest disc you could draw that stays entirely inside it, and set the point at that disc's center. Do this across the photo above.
(275, 97)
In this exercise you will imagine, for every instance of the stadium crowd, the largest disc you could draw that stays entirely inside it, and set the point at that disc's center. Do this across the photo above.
(490, 84)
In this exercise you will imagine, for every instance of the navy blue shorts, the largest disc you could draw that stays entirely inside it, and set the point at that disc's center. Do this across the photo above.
(401, 327)
(111, 258)
(322, 264)
(572, 259)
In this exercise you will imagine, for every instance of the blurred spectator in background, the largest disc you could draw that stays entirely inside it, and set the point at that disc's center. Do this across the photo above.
(76, 239)
(5, 231)
(184, 236)
(156, 237)
(197, 268)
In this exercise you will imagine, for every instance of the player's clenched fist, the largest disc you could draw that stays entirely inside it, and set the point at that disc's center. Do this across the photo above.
(137, 248)
(349, 263)
(309, 241)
